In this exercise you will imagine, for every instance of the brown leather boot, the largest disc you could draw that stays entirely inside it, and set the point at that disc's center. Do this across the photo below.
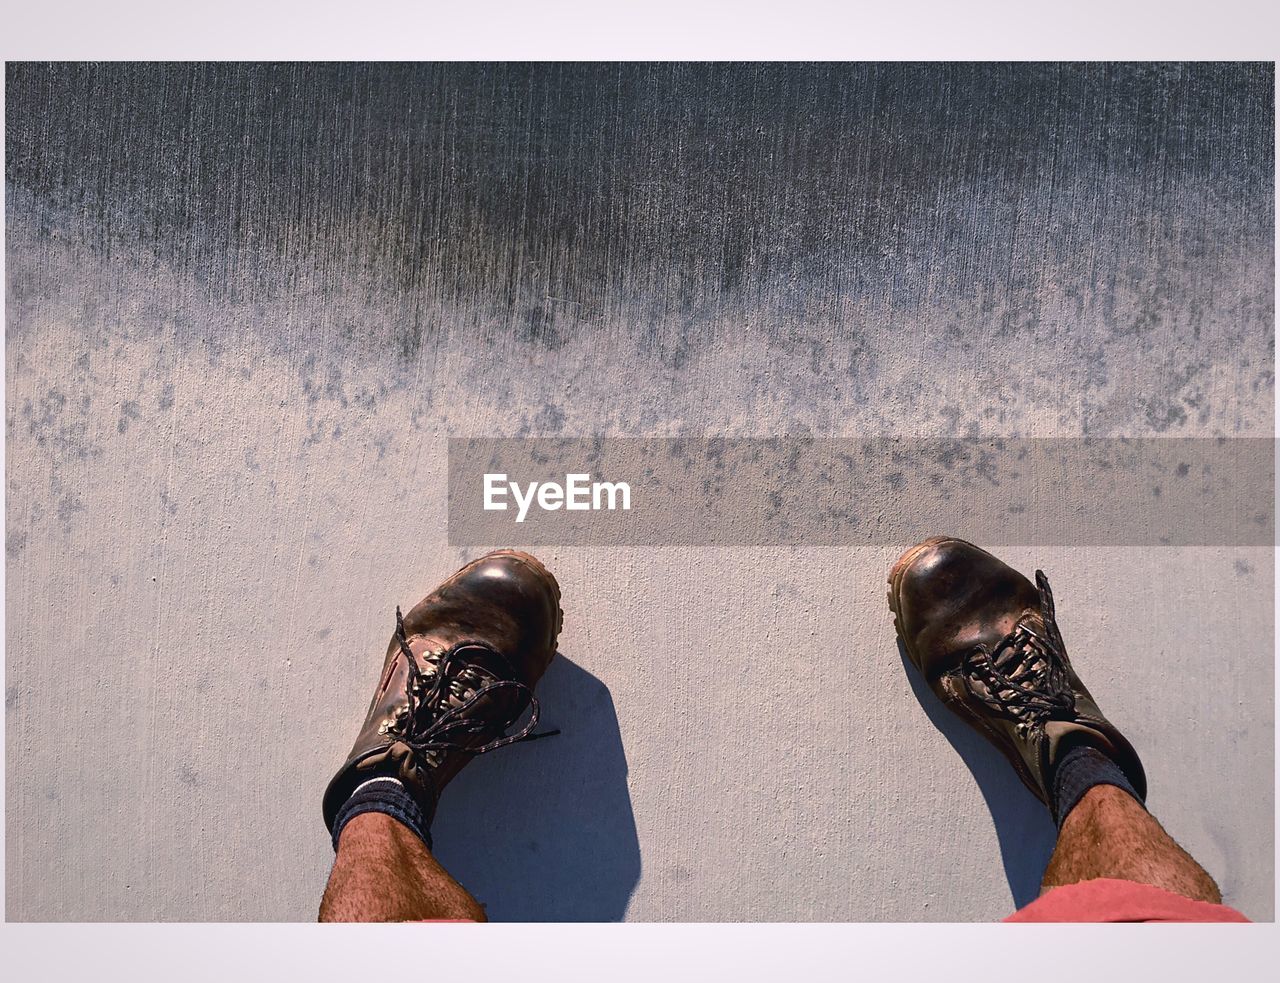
(460, 670)
(986, 641)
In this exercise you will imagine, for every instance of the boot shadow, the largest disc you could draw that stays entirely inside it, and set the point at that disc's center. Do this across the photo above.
(1023, 826)
(544, 831)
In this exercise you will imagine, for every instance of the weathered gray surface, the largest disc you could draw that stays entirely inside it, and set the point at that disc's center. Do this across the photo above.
(247, 306)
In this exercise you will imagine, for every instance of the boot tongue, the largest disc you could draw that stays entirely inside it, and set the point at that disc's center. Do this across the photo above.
(478, 655)
(1019, 664)
(475, 668)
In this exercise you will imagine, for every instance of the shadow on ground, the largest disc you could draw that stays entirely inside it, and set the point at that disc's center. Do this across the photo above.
(1025, 831)
(544, 831)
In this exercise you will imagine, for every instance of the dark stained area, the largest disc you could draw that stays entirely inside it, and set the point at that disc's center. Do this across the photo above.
(555, 196)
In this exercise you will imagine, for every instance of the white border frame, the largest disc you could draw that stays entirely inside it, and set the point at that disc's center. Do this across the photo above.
(922, 30)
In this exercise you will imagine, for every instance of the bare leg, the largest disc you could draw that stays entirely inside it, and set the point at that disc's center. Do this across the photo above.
(383, 873)
(1108, 834)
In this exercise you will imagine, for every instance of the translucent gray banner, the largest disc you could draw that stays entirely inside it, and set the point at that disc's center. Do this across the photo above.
(824, 492)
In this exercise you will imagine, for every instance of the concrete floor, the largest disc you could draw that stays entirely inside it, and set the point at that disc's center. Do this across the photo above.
(247, 306)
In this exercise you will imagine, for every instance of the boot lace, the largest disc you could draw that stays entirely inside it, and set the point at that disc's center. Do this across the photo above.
(436, 717)
(1025, 675)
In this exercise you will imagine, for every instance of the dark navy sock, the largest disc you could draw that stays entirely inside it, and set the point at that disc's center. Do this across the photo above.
(1080, 769)
(385, 795)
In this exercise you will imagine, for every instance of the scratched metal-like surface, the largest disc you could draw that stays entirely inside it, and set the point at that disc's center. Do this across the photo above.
(247, 305)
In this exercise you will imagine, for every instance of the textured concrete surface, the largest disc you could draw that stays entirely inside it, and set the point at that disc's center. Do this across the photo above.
(247, 306)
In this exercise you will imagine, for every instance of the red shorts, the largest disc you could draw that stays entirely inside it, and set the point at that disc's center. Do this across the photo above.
(1108, 900)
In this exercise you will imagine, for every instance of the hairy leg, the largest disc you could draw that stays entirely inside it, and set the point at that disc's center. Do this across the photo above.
(1108, 834)
(383, 873)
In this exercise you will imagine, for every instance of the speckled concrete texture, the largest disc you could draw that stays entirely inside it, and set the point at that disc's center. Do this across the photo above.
(248, 305)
